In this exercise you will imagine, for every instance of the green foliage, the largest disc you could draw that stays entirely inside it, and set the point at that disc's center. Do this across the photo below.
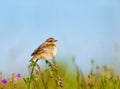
(57, 76)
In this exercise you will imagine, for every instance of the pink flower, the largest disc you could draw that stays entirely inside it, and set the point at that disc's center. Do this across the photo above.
(17, 76)
(3, 81)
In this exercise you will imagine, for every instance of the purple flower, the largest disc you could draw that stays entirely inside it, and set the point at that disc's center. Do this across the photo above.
(3, 81)
(17, 76)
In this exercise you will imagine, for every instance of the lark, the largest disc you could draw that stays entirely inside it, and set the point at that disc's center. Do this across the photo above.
(46, 50)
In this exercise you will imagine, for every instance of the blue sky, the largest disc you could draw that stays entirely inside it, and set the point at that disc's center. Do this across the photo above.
(85, 29)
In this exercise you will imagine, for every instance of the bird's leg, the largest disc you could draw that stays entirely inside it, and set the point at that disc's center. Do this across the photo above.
(50, 64)
(47, 62)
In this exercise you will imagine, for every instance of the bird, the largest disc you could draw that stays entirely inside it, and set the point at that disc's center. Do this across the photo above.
(47, 50)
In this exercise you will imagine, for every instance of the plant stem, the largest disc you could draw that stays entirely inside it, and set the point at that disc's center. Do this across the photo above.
(42, 76)
(31, 74)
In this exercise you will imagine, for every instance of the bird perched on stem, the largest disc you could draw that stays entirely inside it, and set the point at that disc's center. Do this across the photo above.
(46, 50)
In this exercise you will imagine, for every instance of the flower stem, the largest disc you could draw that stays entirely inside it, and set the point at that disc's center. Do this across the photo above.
(31, 74)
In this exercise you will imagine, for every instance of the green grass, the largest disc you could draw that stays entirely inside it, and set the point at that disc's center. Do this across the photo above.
(59, 76)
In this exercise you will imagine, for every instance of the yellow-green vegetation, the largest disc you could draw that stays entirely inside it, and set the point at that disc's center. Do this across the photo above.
(58, 76)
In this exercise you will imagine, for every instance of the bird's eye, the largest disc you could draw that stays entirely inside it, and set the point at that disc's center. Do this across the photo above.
(50, 41)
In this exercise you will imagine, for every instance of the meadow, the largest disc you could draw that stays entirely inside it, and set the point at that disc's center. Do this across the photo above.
(57, 75)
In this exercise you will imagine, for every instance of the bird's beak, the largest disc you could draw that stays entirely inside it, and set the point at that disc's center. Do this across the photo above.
(56, 40)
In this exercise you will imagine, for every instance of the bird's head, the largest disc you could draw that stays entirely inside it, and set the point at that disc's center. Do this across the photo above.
(51, 40)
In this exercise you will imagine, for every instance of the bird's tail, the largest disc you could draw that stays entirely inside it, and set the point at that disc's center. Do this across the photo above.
(31, 59)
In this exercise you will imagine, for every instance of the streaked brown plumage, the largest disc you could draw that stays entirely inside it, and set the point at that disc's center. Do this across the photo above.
(46, 50)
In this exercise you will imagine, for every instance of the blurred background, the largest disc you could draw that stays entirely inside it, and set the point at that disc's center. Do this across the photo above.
(84, 29)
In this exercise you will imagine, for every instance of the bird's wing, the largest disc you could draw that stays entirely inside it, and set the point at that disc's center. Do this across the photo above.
(40, 49)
